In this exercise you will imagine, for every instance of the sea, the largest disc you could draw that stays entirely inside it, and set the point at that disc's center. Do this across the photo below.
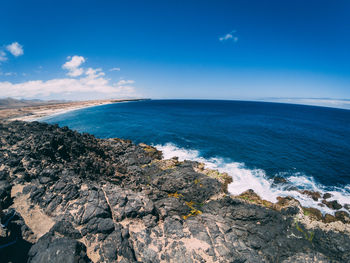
(257, 143)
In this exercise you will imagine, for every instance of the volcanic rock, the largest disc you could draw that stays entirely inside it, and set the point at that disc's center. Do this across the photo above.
(70, 197)
(327, 195)
(332, 204)
(314, 195)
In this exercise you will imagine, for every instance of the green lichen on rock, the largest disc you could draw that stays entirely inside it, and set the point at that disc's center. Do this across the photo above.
(308, 235)
(151, 151)
(223, 178)
(313, 213)
(329, 218)
(164, 164)
(194, 211)
(175, 195)
(254, 198)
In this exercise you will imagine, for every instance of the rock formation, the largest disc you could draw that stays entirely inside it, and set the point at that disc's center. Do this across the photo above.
(70, 197)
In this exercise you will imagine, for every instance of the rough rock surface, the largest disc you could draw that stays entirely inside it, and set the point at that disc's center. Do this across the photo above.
(69, 197)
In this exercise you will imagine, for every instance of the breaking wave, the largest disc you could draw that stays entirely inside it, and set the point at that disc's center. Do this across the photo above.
(256, 179)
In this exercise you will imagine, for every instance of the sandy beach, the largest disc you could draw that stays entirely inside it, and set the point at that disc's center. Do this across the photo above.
(32, 113)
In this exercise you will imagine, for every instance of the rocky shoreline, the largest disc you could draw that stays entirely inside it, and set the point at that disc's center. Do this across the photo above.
(69, 197)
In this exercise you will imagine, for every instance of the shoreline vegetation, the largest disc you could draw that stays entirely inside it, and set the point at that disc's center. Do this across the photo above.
(11, 109)
(75, 198)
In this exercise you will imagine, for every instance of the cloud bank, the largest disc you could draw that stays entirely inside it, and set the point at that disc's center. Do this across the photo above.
(90, 84)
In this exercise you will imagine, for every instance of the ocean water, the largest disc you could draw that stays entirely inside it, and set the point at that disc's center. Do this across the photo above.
(254, 142)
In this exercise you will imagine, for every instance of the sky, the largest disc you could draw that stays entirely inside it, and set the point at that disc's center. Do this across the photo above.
(250, 49)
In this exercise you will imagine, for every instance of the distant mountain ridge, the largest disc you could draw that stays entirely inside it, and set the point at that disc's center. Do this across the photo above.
(15, 103)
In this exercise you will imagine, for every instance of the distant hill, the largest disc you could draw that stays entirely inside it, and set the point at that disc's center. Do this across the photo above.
(11, 103)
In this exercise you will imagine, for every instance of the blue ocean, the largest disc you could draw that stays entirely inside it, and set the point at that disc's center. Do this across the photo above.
(254, 142)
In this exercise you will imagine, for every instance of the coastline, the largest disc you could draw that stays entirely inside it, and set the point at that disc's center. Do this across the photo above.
(161, 190)
(33, 113)
(267, 189)
(270, 190)
(102, 200)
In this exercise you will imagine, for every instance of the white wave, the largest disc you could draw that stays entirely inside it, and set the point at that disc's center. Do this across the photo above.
(256, 179)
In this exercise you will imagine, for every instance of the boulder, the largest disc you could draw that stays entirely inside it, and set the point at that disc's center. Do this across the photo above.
(314, 195)
(332, 204)
(51, 248)
(327, 195)
(312, 213)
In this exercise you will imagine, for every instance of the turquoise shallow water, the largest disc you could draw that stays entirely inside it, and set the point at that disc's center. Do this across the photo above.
(253, 141)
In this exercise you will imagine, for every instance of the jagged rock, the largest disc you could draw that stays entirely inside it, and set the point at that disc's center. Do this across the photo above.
(329, 218)
(127, 204)
(313, 213)
(327, 195)
(51, 248)
(5, 193)
(223, 178)
(347, 207)
(342, 216)
(15, 237)
(287, 201)
(82, 199)
(96, 207)
(99, 225)
(279, 180)
(314, 195)
(332, 204)
(152, 151)
(66, 229)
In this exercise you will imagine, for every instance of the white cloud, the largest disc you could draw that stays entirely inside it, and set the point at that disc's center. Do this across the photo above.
(92, 85)
(15, 49)
(2, 56)
(73, 66)
(10, 74)
(94, 72)
(229, 36)
(114, 69)
(226, 37)
(125, 82)
(100, 87)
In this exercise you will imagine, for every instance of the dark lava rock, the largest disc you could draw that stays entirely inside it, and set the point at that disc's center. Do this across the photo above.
(327, 195)
(329, 218)
(13, 238)
(342, 216)
(332, 204)
(313, 213)
(279, 180)
(113, 201)
(314, 195)
(51, 248)
(5, 194)
(65, 228)
(347, 207)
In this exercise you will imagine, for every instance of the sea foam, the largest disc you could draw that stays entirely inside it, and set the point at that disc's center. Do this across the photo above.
(256, 179)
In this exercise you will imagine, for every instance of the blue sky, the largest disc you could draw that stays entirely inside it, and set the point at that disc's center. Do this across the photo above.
(175, 49)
